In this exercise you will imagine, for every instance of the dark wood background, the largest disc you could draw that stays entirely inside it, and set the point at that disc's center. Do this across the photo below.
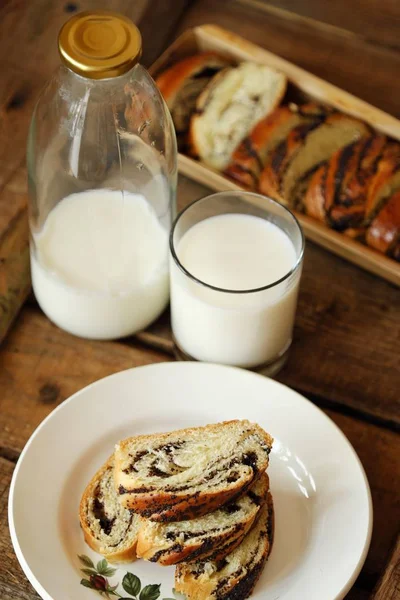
(345, 354)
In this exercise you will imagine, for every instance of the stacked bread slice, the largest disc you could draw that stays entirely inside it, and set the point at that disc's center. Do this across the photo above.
(198, 498)
(107, 526)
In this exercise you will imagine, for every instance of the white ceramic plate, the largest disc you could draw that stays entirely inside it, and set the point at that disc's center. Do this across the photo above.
(322, 499)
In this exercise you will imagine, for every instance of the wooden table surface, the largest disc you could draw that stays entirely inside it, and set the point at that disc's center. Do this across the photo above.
(346, 350)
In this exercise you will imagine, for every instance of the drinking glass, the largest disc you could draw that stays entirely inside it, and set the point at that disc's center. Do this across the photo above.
(250, 328)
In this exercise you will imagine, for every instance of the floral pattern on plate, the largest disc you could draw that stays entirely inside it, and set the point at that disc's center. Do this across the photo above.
(97, 579)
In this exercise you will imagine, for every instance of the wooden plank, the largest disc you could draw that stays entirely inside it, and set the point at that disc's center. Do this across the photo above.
(388, 587)
(374, 447)
(14, 270)
(18, 92)
(40, 366)
(161, 17)
(13, 583)
(377, 21)
(14, 256)
(346, 61)
(357, 594)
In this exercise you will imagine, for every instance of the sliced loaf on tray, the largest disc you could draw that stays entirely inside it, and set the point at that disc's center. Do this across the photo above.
(235, 576)
(108, 528)
(214, 534)
(188, 473)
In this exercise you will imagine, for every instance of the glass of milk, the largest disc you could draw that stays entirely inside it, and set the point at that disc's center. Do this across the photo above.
(235, 267)
(102, 183)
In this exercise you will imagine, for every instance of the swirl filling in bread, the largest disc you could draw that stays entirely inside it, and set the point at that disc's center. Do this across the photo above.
(187, 473)
(108, 527)
(215, 534)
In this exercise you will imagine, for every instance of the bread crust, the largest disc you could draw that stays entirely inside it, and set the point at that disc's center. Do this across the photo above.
(181, 84)
(388, 169)
(384, 232)
(190, 552)
(337, 192)
(314, 201)
(118, 556)
(217, 545)
(246, 164)
(161, 504)
(274, 178)
(159, 508)
(249, 157)
(279, 159)
(170, 82)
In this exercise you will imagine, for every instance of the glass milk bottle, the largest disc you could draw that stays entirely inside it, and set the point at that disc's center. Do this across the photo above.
(102, 184)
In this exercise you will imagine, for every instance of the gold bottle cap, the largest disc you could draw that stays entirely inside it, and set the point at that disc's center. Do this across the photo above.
(100, 44)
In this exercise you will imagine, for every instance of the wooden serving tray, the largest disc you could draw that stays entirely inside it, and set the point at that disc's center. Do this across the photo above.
(302, 85)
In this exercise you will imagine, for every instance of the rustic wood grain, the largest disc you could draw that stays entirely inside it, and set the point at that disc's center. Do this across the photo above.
(358, 594)
(14, 267)
(346, 61)
(378, 451)
(377, 21)
(389, 586)
(158, 26)
(40, 366)
(13, 583)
